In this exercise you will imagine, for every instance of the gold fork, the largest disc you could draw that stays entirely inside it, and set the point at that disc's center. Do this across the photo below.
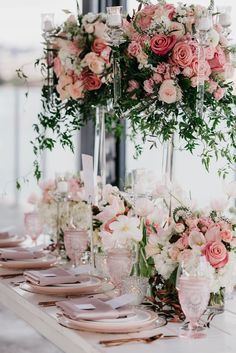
(119, 342)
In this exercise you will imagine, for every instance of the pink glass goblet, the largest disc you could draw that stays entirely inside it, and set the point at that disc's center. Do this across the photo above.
(76, 243)
(119, 264)
(33, 225)
(194, 294)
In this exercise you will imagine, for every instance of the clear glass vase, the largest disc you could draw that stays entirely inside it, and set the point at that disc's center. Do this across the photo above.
(217, 301)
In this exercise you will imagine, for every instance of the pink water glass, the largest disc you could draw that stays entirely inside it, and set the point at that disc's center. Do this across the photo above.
(76, 243)
(33, 225)
(194, 294)
(119, 264)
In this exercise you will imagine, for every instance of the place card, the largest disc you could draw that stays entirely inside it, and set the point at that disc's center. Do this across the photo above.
(85, 306)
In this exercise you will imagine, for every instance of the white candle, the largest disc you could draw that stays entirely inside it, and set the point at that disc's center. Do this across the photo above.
(47, 25)
(225, 19)
(114, 20)
(204, 24)
(62, 186)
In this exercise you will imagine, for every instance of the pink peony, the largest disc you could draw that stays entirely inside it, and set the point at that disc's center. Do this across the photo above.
(162, 44)
(98, 45)
(148, 85)
(182, 54)
(168, 92)
(134, 49)
(216, 254)
(219, 93)
(218, 61)
(92, 82)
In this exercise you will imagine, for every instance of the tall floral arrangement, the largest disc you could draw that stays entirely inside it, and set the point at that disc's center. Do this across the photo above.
(77, 55)
(163, 66)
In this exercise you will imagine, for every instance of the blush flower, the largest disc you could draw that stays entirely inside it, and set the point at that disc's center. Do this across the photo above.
(216, 254)
(162, 44)
(148, 85)
(168, 92)
(134, 49)
(182, 54)
(126, 228)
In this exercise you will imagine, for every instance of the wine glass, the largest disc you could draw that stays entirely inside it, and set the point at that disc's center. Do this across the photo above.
(76, 243)
(194, 293)
(33, 225)
(119, 264)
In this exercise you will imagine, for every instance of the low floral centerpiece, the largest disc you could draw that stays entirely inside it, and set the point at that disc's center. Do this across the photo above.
(190, 236)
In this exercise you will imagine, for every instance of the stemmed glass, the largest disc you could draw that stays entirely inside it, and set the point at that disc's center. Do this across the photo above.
(194, 294)
(76, 243)
(33, 225)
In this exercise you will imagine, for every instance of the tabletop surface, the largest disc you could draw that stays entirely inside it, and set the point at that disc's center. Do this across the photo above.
(221, 337)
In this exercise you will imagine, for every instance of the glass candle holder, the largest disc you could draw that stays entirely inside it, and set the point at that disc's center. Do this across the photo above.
(137, 286)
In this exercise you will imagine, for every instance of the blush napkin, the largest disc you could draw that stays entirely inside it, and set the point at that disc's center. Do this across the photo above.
(96, 309)
(50, 277)
(4, 235)
(20, 254)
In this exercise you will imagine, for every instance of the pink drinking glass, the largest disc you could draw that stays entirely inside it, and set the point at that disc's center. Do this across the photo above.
(76, 243)
(119, 264)
(193, 288)
(33, 225)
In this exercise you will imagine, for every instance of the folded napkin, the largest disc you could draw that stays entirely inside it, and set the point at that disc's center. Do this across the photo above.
(5, 235)
(20, 254)
(50, 277)
(91, 309)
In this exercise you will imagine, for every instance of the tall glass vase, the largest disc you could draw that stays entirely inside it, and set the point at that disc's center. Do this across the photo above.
(100, 148)
(168, 162)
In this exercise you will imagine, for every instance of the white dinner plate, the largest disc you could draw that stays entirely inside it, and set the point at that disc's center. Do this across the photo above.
(88, 285)
(39, 263)
(142, 320)
(11, 241)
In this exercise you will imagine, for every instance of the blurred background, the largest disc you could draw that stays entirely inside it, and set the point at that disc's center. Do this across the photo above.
(20, 45)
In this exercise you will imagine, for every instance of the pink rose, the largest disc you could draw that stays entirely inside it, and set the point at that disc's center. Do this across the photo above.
(226, 235)
(170, 10)
(57, 66)
(162, 44)
(73, 48)
(202, 68)
(209, 52)
(194, 81)
(177, 29)
(148, 85)
(144, 17)
(105, 54)
(188, 71)
(161, 68)
(76, 90)
(219, 93)
(182, 54)
(92, 82)
(218, 61)
(94, 62)
(157, 78)
(62, 88)
(216, 254)
(212, 86)
(134, 49)
(132, 85)
(98, 45)
(168, 92)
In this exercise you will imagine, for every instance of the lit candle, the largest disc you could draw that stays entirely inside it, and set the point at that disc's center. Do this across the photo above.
(225, 19)
(204, 24)
(62, 186)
